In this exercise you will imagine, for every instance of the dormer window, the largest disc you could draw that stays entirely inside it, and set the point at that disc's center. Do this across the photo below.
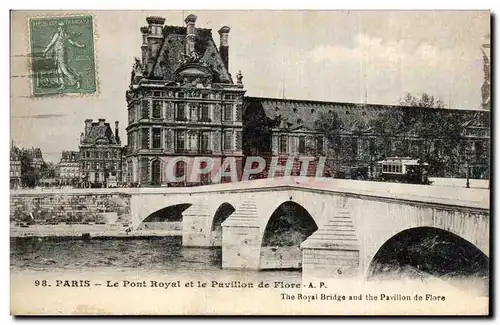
(180, 95)
(299, 121)
(295, 109)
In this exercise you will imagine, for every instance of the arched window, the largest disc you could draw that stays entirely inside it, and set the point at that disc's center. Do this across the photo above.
(156, 172)
(180, 169)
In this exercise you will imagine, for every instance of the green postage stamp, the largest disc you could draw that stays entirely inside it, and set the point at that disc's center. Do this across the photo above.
(62, 52)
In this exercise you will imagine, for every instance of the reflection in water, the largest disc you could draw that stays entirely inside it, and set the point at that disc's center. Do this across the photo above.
(159, 253)
(165, 255)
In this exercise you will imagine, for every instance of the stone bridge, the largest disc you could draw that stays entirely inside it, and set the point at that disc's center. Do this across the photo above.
(338, 225)
(324, 226)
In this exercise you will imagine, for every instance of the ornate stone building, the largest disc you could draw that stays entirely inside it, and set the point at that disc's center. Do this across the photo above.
(354, 136)
(69, 168)
(100, 153)
(182, 102)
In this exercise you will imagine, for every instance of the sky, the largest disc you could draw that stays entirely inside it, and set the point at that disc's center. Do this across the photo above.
(341, 56)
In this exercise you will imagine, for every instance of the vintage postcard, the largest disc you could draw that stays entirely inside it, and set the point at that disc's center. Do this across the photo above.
(250, 162)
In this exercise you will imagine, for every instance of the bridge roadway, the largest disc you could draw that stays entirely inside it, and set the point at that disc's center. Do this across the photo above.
(350, 220)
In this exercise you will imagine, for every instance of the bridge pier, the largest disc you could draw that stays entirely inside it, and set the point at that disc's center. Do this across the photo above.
(332, 251)
(241, 238)
(196, 226)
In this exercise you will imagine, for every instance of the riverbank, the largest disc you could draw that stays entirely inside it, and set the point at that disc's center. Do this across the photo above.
(88, 231)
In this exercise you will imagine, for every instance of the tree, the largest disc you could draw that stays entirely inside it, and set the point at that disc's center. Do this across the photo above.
(388, 126)
(330, 126)
(437, 128)
(29, 176)
(48, 170)
(425, 100)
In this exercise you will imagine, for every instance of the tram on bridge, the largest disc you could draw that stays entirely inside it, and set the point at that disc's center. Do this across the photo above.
(403, 170)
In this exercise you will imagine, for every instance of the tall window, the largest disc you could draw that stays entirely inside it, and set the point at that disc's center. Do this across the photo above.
(156, 172)
(372, 146)
(437, 147)
(228, 112)
(180, 140)
(180, 168)
(204, 139)
(478, 149)
(302, 144)
(203, 112)
(180, 114)
(319, 145)
(354, 147)
(227, 140)
(145, 108)
(156, 138)
(145, 138)
(157, 108)
(283, 144)
(144, 166)
(204, 178)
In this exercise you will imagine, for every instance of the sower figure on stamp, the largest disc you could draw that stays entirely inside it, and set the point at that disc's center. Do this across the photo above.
(66, 75)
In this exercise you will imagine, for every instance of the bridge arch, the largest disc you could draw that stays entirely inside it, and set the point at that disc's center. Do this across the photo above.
(221, 214)
(287, 227)
(424, 251)
(167, 217)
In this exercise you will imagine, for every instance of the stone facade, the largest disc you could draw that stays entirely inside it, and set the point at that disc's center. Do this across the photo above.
(182, 101)
(64, 207)
(364, 135)
(69, 168)
(100, 154)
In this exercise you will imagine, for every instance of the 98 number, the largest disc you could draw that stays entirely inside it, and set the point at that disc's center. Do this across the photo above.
(42, 283)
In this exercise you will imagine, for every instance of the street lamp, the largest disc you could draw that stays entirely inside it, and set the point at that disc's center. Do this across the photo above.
(467, 184)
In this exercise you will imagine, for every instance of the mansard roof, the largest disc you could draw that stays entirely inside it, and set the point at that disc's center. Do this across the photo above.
(171, 53)
(69, 156)
(293, 114)
(100, 133)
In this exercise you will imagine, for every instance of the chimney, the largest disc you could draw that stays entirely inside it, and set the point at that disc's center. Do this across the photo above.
(144, 46)
(155, 25)
(88, 126)
(101, 121)
(152, 38)
(224, 45)
(190, 33)
(116, 131)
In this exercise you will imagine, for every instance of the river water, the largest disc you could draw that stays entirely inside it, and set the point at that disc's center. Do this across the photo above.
(164, 259)
(155, 255)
